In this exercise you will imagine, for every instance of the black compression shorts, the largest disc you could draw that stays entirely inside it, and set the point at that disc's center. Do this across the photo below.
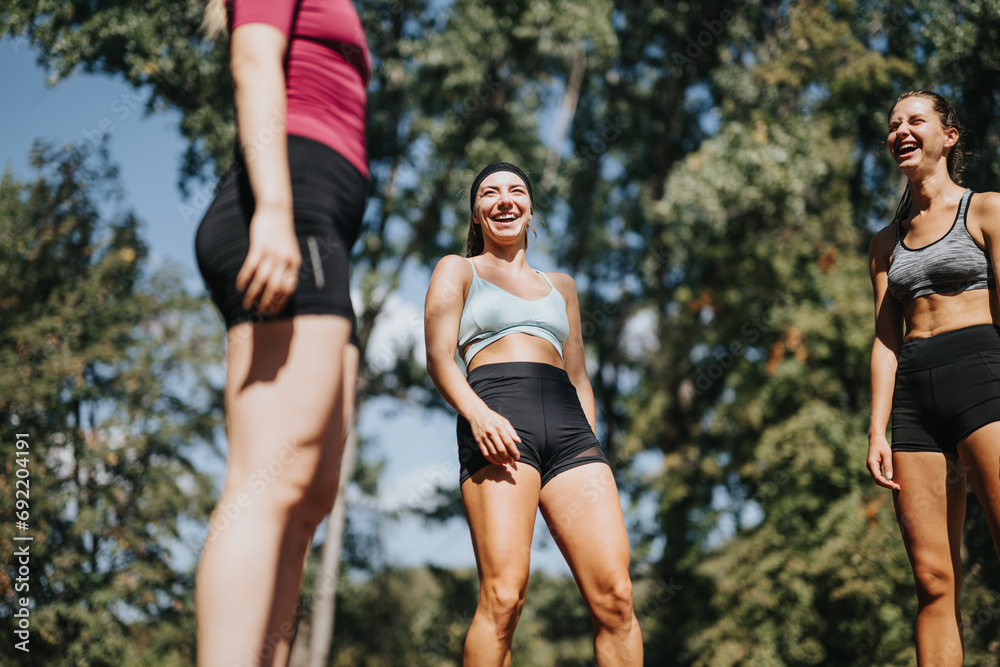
(947, 386)
(542, 405)
(328, 195)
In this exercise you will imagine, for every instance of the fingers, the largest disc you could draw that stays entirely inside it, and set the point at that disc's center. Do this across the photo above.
(247, 272)
(498, 441)
(266, 286)
(875, 468)
(887, 468)
(277, 290)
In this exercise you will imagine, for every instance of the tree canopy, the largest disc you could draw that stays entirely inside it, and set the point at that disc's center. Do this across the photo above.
(711, 173)
(108, 370)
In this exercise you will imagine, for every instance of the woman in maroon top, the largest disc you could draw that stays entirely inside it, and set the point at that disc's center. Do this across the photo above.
(273, 249)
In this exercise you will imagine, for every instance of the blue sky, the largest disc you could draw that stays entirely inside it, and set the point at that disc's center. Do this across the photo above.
(418, 448)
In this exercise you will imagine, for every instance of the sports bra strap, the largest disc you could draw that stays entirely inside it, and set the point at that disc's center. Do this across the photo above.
(542, 274)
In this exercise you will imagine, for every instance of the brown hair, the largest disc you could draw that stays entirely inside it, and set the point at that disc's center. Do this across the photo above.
(959, 155)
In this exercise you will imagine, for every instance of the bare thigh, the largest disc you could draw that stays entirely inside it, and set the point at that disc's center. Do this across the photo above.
(284, 401)
(501, 504)
(930, 508)
(583, 510)
(980, 455)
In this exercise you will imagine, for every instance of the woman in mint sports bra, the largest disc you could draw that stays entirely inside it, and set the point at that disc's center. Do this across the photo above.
(940, 377)
(525, 426)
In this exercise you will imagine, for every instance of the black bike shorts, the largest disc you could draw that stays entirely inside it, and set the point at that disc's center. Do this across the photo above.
(542, 405)
(947, 386)
(328, 197)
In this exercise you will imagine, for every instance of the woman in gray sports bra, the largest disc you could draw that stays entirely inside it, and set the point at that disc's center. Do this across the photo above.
(526, 424)
(939, 378)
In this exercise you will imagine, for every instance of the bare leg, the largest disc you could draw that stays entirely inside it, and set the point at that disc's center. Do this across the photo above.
(583, 511)
(351, 368)
(930, 508)
(980, 454)
(500, 504)
(284, 417)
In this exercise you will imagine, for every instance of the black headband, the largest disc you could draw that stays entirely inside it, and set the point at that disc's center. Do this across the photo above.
(492, 168)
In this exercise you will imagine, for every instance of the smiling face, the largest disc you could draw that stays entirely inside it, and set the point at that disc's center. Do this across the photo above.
(918, 140)
(503, 208)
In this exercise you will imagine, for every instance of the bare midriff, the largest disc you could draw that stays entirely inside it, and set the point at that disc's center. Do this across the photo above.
(517, 347)
(937, 313)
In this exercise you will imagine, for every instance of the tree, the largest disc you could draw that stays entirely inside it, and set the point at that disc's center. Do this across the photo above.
(451, 91)
(737, 236)
(107, 373)
(714, 196)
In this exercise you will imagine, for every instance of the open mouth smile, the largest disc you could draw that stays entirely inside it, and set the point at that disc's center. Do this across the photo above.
(906, 148)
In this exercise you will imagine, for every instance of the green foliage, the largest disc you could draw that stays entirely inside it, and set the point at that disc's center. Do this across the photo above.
(419, 617)
(714, 198)
(730, 217)
(106, 368)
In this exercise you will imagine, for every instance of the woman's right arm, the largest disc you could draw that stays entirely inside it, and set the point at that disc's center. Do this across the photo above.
(495, 436)
(885, 355)
(269, 274)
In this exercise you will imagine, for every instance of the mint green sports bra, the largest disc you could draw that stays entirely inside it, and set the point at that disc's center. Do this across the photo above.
(491, 312)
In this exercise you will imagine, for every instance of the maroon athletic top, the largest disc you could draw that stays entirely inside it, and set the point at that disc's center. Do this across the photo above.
(327, 70)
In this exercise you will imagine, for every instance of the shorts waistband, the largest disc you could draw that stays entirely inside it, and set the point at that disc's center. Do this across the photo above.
(947, 347)
(517, 369)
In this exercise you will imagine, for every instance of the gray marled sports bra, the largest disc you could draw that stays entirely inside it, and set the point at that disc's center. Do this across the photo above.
(953, 263)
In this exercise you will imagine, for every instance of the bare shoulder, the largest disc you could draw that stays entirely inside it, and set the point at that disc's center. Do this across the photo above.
(881, 247)
(449, 286)
(454, 267)
(984, 210)
(564, 283)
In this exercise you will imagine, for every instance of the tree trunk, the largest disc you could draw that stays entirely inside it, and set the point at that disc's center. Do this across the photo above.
(566, 113)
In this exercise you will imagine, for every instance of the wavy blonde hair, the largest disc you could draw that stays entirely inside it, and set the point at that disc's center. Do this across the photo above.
(214, 23)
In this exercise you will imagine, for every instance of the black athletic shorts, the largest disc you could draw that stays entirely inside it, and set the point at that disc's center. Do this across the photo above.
(328, 197)
(542, 405)
(947, 386)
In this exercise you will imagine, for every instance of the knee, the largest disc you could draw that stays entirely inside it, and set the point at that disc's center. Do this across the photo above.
(311, 503)
(935, 583)
(503, 603)
(304, 494)
(612, 606)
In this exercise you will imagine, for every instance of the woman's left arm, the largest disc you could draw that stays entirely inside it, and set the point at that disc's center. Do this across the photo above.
(573, 358)
(985, 211)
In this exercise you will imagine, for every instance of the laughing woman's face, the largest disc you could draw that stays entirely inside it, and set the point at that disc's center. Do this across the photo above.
(503, 207)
